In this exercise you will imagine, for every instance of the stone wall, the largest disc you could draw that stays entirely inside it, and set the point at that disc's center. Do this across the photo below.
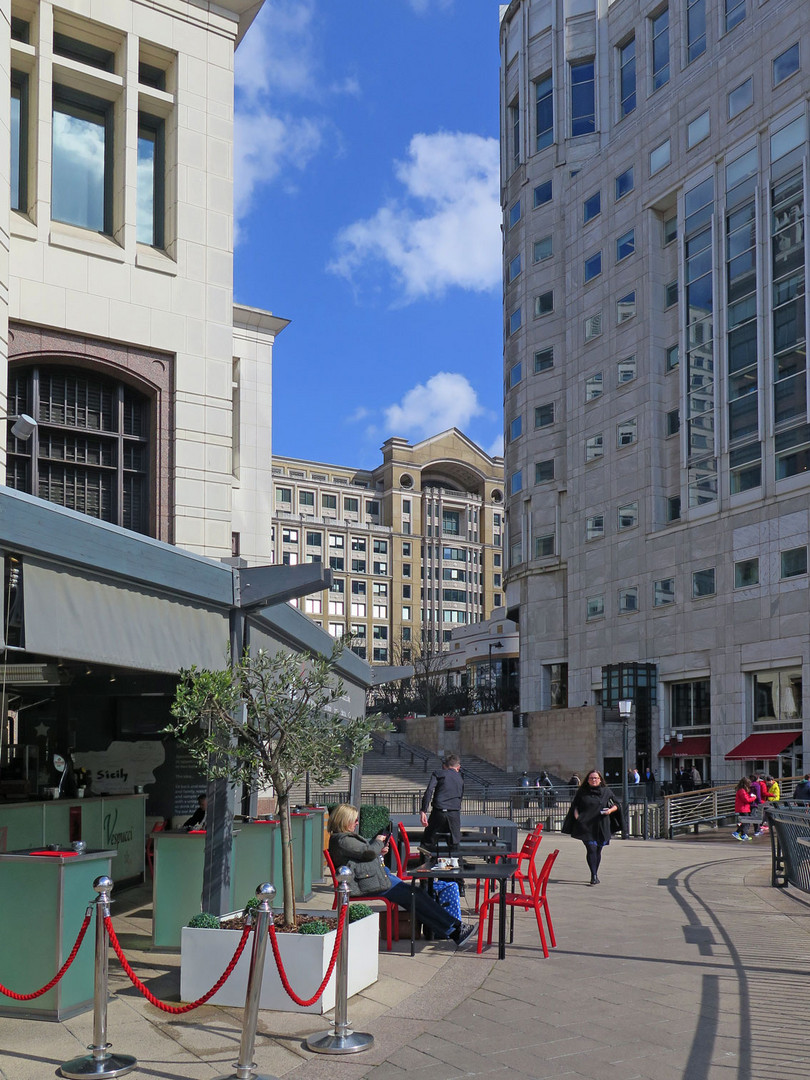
(565, 741)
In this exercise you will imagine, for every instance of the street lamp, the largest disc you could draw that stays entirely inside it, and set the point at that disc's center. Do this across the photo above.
(492, 645)
(625, 712)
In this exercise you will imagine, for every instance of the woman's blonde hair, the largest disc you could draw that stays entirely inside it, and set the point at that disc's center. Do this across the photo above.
(343, 817)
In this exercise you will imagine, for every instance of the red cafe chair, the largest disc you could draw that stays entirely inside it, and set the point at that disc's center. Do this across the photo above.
(536, 900)
(391, 909)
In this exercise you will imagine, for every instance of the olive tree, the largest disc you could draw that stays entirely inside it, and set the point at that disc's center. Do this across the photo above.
(268, 720)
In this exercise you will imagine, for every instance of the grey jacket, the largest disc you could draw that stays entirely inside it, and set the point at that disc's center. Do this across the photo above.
(363, 859)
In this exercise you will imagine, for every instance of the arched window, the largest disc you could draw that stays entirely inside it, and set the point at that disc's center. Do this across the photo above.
(91, 452)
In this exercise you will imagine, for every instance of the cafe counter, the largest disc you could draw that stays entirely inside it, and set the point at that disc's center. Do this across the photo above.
(116, 822)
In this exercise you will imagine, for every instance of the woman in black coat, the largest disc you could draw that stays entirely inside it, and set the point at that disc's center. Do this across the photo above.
(593, 815)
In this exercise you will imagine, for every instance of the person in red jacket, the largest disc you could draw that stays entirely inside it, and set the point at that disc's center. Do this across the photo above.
(743, 801)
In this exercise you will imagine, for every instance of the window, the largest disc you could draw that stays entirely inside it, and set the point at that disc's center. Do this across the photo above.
(91, 452)
(337, 562)
(20, 30)
(358, 566)
(673, 508)
(82, 52)
(626, 370)
(451, 522)
(595, 527)
(151, 76)
(671, 294)
(626, 307)
(628, 600)
(289, 536)
(514, 119)
(695, 29)
(336, 607)
(306, 498)
(406, 503)
(786, 64)
(628, 516)
(380, 547)
(544, 415)
(543, 471)
(82, 161)
(745, 463)
(358, 588)
(379, 566)
(543, 304)
(312, 605)
(593, 266)
(664, 592)
(583, 98)
(673, 419)
(794, 562)
(672, 358)
(626, 433)
(515, 375)
(336, 540)
(778, 695)
(406, 549)
(358, 543)
(514, 214)
(659, 157)
(379, 654)
(543, 360)
(351, 505)
(746, 573)
(406, 569)
(516, 428)
(627, 77)
(625, 245)
(151, 170)
(543, 249)
(703, 583)
(406, 612)
(19, 142)
(660, 49)
(380, 633)
(406, 592)
(514, 268)
(544, 112)
(516, 482)
(592, 207)
(698, 130)
(690, 704)
(740, 98)
(594, 607)
(515, 320)
(314, 539)
(735, 13)
(544, 546)
(593, 326)
(593, 386)
(792, 452)
(284, 495)
(542, 194)
(594, 448)
(625, 183)
(329, 502)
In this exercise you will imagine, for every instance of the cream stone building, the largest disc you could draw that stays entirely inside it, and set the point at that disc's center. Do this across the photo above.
(654, 186)
(118, 330)
(414, 544)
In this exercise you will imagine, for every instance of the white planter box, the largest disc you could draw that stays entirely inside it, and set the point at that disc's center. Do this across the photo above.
(204, 955)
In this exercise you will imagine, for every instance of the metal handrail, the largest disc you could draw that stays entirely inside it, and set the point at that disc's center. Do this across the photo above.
(790, 845)
(691, 809)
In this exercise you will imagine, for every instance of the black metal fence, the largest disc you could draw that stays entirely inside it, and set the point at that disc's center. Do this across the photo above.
(790, 845)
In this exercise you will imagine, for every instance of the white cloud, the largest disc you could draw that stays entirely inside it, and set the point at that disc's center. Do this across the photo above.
(446, 400)
(277, 69)
(496, 448)
(444, 230)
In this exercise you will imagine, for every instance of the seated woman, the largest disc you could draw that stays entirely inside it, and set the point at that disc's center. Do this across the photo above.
(371, 878)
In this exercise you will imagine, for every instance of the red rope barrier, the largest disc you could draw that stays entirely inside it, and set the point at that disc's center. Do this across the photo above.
(283, 974)
(175, 1010)
(60, 972)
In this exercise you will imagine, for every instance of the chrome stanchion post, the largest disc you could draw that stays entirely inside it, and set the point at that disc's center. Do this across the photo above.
(341, 1039)
(100, 1062)
(245, 1067)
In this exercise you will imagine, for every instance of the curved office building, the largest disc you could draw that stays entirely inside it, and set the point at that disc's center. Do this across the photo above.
(654, 181)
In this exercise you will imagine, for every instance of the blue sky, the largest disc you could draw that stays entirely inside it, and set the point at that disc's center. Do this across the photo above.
(366, 185)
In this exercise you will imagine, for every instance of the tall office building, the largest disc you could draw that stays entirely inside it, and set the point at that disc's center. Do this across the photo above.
(654, 169)
(414, 544)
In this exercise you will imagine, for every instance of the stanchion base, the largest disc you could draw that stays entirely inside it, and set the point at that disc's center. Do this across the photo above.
(326, 1042)
(253, 1076)
(110, 1066)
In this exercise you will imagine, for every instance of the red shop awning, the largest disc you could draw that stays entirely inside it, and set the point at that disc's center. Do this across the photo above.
(689, 746)
(760, 747)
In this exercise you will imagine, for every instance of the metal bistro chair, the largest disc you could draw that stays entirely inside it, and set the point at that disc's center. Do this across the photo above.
(391, 909)
(536, 900)
(525, 858)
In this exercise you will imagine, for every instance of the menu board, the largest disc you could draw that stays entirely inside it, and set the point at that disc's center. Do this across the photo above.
(188, 783)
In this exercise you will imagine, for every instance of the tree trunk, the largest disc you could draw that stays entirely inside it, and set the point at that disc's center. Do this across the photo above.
(287, 879)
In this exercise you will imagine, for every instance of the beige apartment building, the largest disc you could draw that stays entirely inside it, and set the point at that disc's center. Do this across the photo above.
(414, 545)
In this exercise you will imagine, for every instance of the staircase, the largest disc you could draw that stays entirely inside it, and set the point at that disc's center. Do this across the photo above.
(390, 768)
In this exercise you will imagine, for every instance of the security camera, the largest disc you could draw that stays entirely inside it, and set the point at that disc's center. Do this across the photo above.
(24, 426)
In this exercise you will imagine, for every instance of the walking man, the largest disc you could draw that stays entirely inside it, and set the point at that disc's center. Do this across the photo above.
(445, 790)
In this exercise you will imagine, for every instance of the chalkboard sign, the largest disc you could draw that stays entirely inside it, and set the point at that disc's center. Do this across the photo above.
(188, 783)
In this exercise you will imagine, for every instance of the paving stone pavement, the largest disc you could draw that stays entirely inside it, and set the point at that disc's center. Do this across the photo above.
(683, 964)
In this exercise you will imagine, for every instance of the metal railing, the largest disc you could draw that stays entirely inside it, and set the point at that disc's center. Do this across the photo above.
(790, 845)
(708, 806)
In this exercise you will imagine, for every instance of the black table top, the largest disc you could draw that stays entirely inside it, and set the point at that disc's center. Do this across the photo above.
(475, 870)
(479, 851)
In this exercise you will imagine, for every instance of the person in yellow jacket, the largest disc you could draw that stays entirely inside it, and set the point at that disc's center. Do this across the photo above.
(773, 789)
